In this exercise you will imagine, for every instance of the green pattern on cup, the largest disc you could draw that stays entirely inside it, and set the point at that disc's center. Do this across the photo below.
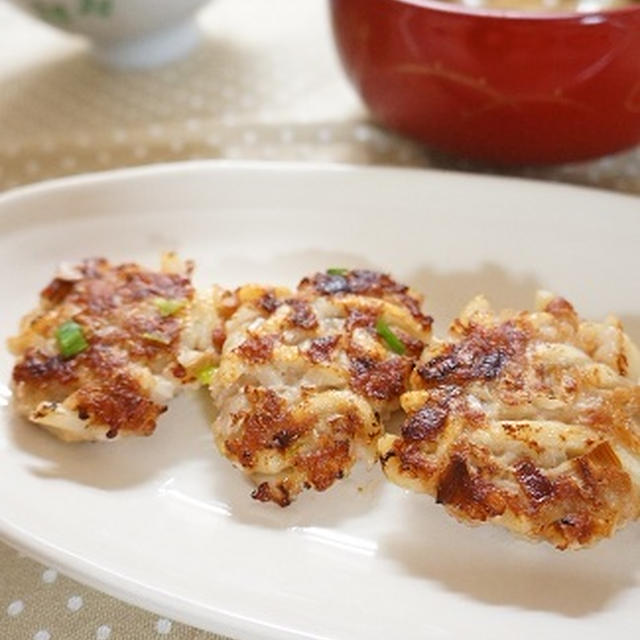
(52, 12)
(102, 8)
(60, 14)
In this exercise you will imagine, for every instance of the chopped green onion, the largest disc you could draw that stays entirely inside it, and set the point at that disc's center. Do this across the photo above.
(205, 375)
(168, 307)
(156, 337)
(337, 271)
(70, 338)
(393, 342)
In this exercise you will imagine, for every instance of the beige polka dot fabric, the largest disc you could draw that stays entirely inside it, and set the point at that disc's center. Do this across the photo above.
(264, 84)
(38, 603)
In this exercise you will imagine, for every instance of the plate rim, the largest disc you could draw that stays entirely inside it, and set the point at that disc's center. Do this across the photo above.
(89, 178)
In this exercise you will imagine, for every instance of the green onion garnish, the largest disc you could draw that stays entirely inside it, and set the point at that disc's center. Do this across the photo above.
(205, 375)
(393, 342)
(70, 338)
(337, 271)
(168, 307)
(156, 337)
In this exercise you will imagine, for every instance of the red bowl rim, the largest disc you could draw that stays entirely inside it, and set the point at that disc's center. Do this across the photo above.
(588, 17)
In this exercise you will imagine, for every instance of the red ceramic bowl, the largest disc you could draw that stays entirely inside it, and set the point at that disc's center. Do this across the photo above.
(504, 87)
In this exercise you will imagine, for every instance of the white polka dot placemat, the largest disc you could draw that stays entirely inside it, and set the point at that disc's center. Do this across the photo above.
(38, 603)
(264, 84)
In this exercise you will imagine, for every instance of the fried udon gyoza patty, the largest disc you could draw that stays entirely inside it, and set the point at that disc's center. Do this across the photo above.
(530, 420)
(306, 377)
(109, 346)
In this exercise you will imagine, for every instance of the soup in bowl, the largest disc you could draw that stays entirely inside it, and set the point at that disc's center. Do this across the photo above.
(505, 81)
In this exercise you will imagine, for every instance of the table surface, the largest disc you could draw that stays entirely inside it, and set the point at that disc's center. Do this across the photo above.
(264, 84)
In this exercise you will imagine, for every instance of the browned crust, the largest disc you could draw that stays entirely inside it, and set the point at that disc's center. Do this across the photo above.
(107, 287)
(570, 506)
(481, 355)
(269, 302)
(121, 323)
(301, 315)
(379, 379)
(257, 349)
(218, 336)
(39, 370)
(266, 424)
(120, 403)
(321, 349)
(274, 492)
(272, 427)
(366, 283)
(327, 328)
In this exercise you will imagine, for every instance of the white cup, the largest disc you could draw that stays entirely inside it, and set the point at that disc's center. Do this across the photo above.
(125, 33)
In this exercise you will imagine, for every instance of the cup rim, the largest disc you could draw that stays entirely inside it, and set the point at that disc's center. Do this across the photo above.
(587, 17)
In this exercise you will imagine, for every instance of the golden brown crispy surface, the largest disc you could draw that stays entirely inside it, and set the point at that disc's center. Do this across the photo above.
(528, 420)
(368, 283)
(305, 377)
(137, 351)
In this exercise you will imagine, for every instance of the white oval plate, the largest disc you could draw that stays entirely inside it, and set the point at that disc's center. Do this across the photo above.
(167, 524)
